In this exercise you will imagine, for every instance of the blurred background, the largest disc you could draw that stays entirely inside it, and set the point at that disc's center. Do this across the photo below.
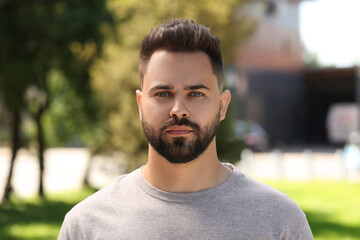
(69, 120)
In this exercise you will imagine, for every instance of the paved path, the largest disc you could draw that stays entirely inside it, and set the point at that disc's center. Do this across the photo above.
(296, 166)
(66, 167)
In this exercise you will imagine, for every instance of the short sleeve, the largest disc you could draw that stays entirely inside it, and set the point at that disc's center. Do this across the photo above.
(70, 228)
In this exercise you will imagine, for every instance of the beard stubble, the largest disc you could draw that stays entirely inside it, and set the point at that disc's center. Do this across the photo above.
(179, 150)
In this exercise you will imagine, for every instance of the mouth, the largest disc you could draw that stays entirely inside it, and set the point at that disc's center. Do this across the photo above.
(179, 131)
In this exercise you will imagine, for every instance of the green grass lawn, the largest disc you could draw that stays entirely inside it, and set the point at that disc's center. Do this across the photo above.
(36, 218)
(332, 209)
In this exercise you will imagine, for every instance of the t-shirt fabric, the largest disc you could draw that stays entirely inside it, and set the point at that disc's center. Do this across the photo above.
(239, 208)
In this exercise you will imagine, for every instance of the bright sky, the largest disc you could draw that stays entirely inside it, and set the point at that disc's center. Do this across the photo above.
(331, 30)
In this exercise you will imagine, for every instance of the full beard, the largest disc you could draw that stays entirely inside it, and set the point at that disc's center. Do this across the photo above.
(181, 149)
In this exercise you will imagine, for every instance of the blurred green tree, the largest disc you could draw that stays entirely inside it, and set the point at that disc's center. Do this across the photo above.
(37, 38)
(115, 77)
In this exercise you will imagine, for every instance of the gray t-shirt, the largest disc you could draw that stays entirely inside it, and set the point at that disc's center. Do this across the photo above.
(239, 208)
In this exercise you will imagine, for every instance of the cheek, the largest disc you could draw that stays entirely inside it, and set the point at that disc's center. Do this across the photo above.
(205, 112)
(155, 112)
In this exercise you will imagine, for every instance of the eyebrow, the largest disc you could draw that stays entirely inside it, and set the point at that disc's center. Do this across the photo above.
(197, 86)
(168, 87)
(162, 87)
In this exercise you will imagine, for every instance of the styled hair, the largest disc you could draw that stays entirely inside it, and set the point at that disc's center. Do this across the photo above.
(179, 35)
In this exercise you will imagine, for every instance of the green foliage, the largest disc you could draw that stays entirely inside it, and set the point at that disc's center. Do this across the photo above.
(40, 37)
(228, 145)
(4, 131)
(115, 77)
(311, 60)
(70, 117)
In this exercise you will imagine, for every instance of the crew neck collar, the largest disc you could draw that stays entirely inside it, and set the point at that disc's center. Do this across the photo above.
(203, 195)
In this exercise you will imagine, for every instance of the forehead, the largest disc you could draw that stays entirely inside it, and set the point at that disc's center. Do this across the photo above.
(179, 69)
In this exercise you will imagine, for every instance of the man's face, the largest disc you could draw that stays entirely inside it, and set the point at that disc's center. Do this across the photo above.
(180, 104)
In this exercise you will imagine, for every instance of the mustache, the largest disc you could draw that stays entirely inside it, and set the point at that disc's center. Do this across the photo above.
(180, 122)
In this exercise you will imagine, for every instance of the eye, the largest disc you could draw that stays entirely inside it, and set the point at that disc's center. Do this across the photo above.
(196, 94)
(162, 94)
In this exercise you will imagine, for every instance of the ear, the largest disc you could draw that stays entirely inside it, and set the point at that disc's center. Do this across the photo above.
(138, 99)
(225, 98)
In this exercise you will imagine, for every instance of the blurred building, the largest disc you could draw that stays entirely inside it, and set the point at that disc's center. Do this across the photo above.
(276, 44)
(272, 86)
(331, 104)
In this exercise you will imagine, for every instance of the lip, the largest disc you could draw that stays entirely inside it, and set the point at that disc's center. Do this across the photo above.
(179, 130)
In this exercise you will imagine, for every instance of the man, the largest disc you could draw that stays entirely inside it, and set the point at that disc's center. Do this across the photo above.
(184, 191)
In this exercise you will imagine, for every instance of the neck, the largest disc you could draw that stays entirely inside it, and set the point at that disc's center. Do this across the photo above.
(201, 173)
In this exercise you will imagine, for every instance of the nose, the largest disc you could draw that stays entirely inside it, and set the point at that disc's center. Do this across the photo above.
(179, 109)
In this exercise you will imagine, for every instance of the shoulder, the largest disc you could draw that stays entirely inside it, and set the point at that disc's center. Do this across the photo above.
(259, 192)
(251, 187)
(88, 212)
(261, 196)
(267, 202)
(107, 195)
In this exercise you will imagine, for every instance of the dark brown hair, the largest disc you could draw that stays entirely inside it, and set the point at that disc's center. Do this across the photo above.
(179, 35)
